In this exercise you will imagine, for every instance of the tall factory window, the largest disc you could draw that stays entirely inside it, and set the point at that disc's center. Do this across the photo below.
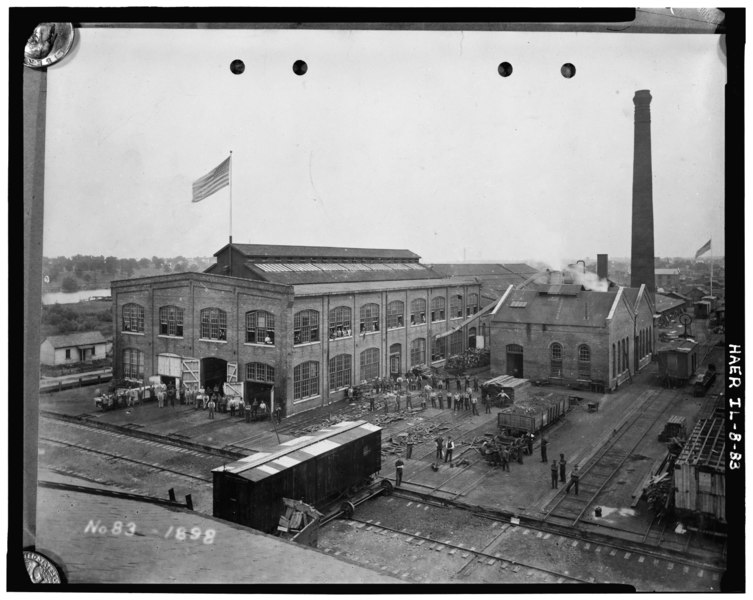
(305, 327)
(213, 324)
(438, 348)
(260, 327)
(395, 314)
(370, 363)
(133, 318)
(472, 337)
(133, 363)
(256, 371)
(437, 309)
(456, 306)
(340, 322)
(556, 359)
(584, 362)
(614, 360)
(306, 380)
(650, 339)
(471, 307)
(456, 343)
(417, 311)
(418, 352)
(340, 368)
(171, 321)
(369, 318)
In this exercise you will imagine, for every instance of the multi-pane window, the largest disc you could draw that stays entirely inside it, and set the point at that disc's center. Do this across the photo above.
(456, 306)
(260, 327)
(213, 324)
(584, 362)
(456, 343)
(370, 363)
(171, 321)
(256, 371)
(438, 348)
(437, 309)
(369, 318)
(133, 363)
(556, 359)
(614, 360)
(306, 327)
(340, 322)
(340, 368)
(418, 311)
(133, 318)
(471, 306)
(306, 380)
(395, 314)
(418, 352)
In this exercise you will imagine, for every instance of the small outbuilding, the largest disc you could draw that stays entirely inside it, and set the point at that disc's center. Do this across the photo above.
(72, 348)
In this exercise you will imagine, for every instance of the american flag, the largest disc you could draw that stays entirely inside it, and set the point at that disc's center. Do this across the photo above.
(705, 248)
(212, 182)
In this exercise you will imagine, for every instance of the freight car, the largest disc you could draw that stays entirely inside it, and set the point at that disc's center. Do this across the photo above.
(532, 415)
(677, 362)
(703, 381)
(315, 468)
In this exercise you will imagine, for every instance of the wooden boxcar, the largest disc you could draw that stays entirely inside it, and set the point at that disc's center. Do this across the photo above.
(313, 468)
(678, 362)
(533, 415)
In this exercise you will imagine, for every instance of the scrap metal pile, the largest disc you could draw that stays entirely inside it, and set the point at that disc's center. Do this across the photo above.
(535, 403)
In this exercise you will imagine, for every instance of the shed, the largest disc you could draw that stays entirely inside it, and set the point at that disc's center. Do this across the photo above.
(72, 348)
(313, 468)
(678, 362)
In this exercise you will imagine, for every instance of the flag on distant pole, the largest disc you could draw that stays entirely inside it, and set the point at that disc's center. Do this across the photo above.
(212, 182)
(703, 249)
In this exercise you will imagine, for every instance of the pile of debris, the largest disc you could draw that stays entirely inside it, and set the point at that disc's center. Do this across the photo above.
(535, 403)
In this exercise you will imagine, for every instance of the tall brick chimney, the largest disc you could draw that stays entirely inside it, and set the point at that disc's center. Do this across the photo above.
(642, 252)
(602, 266)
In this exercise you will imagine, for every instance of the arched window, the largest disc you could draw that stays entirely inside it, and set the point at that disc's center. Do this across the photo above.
(456, 343)
(418, 311)
(456, 306)
(133, 363)
(514, 349)
(256, 371)
(260, 327)
(396, 359)
(555, 351)
(418, 352)
(614, 360)
(369, 318)
(340, 324)
(370, 363)
(395, 314)
(133, 318)
(471, 306)
(171, 321)
(438, 348)
(306, 380)
(472, 337)
(437, 309)
(213, 324)
(584, 362)
(306, 327)
(340, 368)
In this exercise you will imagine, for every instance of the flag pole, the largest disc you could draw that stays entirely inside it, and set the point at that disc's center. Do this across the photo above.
(711, 277)
(230, 185)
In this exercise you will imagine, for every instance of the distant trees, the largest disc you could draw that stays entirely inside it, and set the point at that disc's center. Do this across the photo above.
(94, 270)
(70, 284)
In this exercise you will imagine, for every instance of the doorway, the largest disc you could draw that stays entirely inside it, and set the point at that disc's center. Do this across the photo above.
(213, 373)
(515, 360)
(395, 360)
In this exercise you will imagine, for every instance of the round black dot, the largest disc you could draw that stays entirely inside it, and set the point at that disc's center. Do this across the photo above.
(568, 70)
(504, 69)
(237, 66)
(300, 67)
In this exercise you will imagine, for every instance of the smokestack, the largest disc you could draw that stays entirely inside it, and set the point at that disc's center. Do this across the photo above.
(602, 266)
(642, 252)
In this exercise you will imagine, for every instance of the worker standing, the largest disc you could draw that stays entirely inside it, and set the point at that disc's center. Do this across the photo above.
(543, 449)
(211, 408)
(554, 474)
(574, 480)
(449, 448)
(563, 466)
(440, 447)
(474, 405)
(529, 443)
(399, 464)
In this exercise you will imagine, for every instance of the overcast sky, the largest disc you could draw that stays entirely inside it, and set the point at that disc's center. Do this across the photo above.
(391, 140)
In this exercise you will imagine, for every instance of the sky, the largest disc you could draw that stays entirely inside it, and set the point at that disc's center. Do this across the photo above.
(390, 140)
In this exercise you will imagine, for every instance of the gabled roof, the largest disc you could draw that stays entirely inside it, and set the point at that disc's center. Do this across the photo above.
(665, 303)
(271, 251)
(529, 306)
(73, 340)
(318, 272)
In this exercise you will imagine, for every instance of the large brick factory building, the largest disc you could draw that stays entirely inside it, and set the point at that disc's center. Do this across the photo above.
(296, 324)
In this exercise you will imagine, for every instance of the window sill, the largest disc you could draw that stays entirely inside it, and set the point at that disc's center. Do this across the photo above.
(417, 324)
(132, 332)
(214, 341)
(306, 399)
(340, 389)
(257, 344)
(396, 328)
(302, 344)
(455, 318)
(170, 337)
(370, 332)
(439, 321)
(337, 339)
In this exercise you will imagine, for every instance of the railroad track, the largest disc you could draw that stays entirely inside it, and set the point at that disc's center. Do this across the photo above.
(122, 458)
(473, 554)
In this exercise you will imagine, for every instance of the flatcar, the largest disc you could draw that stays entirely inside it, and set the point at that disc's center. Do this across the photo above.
(316, 469)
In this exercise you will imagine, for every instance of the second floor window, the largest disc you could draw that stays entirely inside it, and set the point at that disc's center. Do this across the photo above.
(306, 327)
(369, 318)
(395, 314)
(260, 327)
(471, 308)
(556, 360)
(256, 371)
(417, 311)
(213, 324)
(133, 318)
(171, 321)
(340, 322)
(456, 306)
(437, 309)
